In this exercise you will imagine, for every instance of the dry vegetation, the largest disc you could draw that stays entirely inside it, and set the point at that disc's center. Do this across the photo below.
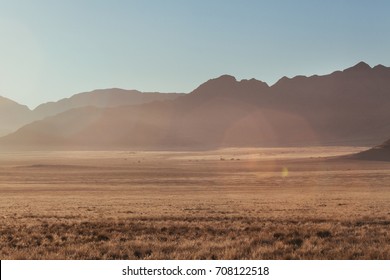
(229, 204)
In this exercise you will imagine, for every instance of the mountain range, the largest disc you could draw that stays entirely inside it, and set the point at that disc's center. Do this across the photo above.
(349, 107)
(14, 115)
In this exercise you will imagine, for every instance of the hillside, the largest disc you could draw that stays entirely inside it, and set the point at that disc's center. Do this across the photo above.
(377, 153)
(12, 115)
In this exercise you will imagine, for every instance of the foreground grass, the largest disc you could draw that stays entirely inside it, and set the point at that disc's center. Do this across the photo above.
(198, 238)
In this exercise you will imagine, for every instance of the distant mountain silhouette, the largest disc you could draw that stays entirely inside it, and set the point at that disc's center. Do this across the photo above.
(14, 115)
(102, 98)
(350, 107)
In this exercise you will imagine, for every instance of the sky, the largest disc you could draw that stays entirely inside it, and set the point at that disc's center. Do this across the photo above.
(52, 49)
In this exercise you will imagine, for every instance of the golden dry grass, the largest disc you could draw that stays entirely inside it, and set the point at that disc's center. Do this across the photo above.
(227, 204)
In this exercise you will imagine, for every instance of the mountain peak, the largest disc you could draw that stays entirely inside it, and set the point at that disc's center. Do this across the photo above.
(361, 66)
(226, 77)
(227, 84)
(380, 67)
(224, 80)
(222, 83)
(7, 101)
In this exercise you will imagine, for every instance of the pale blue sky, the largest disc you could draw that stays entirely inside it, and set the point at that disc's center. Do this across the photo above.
(52, 49)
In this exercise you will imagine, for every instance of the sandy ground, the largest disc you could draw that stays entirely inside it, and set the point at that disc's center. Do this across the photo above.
(281, 203)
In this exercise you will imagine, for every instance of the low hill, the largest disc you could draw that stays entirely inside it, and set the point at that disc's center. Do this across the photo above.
(378, 153)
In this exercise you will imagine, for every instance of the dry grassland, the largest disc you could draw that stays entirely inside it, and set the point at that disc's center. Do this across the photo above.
(227, 204)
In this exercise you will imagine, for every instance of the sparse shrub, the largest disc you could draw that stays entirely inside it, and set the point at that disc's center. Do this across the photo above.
(140, 254)
(49, 237)
(163, 229)
(102, 237)
(296, 242)
(137, 254)
(278, 235)
(324, 234)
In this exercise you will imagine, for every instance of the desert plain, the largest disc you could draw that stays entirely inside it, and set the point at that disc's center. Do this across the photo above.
(247, 203)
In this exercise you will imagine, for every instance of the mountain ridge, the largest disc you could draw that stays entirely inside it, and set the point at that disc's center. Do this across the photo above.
(345, 107)
(111, 97)
(23, 115)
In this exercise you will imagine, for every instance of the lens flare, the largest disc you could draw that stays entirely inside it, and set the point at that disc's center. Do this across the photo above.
(284, 172)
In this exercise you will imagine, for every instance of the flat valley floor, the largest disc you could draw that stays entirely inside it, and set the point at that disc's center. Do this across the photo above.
(276, 203)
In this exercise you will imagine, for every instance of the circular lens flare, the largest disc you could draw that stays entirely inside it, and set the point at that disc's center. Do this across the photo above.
(284, 172)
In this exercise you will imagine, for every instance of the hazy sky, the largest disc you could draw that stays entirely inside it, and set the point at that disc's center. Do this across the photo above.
(52, 49)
